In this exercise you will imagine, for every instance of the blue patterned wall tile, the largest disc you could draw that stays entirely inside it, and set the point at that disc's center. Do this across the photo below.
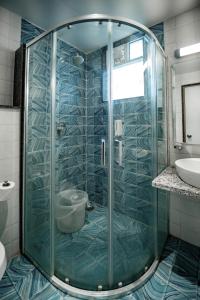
(136, 105)
(130, 131)
(38, 144)
(29, 31)
(144, 143)
(158, 30)
(130, 154)
(40, 182)
(144, 168)
(130, 119)
(94, 60)
(144, 131)
(39, 157)
(130, 141)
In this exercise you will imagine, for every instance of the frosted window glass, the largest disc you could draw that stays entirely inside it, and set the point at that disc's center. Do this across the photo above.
(136, 49)
(128, 81)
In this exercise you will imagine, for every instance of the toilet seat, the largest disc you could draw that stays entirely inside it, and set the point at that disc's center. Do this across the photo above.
(3, 260)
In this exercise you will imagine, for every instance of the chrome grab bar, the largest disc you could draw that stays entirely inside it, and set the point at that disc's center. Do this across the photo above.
(120, 152)
(103, 152)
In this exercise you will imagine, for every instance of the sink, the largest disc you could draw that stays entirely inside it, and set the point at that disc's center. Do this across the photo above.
(188, 169)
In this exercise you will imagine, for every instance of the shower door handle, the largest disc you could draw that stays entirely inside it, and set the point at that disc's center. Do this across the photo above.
(103, 152)
(120, 152)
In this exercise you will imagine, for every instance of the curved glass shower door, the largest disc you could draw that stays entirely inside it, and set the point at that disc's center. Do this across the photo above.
(134, 213)
(37, 155)
(95, 124)
(104, 153)
(81, 146)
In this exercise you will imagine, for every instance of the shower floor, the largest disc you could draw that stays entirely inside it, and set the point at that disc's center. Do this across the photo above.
(176, 277)
(83, 256)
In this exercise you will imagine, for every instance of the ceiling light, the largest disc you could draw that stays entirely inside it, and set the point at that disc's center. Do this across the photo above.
(195, 48)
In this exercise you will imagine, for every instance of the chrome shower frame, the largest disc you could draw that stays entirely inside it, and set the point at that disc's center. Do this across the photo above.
(77, 292)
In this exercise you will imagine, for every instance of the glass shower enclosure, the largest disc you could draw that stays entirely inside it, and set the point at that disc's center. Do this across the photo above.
(94, 138)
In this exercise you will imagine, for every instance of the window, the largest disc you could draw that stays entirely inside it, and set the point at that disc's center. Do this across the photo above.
(128, 76)
(136, 49)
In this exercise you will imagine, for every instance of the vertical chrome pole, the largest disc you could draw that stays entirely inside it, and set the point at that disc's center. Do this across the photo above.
(110, 156)
(25, 142)
(153, 59)
(53, 143)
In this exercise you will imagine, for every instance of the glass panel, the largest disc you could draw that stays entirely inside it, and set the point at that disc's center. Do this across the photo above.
(38, 141)
(95, 158)
(81, 235)
(136, 49)
(163, 196)
(134, 207)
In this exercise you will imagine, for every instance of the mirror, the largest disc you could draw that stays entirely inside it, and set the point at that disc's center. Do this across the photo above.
(186, 101)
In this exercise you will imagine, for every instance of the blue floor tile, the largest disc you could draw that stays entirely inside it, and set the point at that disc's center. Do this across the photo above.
(176, 278)
(155, 288)
(7, 290)
(174, 294)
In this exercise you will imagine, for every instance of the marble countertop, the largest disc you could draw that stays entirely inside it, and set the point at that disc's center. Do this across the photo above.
(168, 180)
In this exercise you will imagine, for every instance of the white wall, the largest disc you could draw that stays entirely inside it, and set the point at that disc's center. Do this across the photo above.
(10, 30)
(181, 31)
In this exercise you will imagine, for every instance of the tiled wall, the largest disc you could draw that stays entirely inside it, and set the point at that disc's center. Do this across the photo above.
(97, 118)
(71, 114)
(97, 122)
(38, 171)
(10, 30)
(181, 31)
(29, 31)
(83, 114)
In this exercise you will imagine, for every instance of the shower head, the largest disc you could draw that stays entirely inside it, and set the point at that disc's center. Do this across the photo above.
(78, 59)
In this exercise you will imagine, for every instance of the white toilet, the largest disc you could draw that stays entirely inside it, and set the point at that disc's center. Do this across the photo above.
(5, 189)
(3, 260)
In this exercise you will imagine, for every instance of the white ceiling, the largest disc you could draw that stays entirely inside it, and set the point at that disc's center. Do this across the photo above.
(49, 13)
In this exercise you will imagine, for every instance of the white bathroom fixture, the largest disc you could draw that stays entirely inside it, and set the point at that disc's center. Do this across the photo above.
(3, 260)
(70, 210)
(191, 49)
(5, 189)
(188, 169)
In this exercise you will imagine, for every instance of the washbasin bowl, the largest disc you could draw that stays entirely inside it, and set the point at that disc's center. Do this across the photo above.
(188, 169)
